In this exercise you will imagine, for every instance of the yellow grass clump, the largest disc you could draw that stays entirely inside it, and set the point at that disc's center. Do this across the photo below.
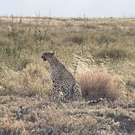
(33, 79)
(97, 84)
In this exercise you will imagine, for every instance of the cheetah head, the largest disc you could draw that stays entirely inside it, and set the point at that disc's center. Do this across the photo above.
(45, 56)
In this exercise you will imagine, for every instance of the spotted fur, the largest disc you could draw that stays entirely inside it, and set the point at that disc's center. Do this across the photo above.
(65, 86)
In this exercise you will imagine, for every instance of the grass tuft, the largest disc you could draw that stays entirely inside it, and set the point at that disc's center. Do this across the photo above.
(112, 53)
(77, 39)
(99, 84)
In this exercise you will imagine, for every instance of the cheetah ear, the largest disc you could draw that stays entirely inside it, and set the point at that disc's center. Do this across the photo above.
(52, 53)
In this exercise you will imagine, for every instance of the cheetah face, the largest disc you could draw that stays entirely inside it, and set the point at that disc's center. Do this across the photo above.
(45, 56)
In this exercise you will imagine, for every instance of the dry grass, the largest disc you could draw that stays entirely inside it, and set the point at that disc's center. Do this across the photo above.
(9, 126)
(32, 80)
(76, 39)
(73, 118)
(97, 43)
(113, 53)
(99, 84)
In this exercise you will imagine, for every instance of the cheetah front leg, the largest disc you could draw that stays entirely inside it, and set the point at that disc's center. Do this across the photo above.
(77, 92)
(56, 94)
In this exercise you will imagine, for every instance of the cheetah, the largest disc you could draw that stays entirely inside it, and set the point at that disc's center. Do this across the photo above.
(65, 87)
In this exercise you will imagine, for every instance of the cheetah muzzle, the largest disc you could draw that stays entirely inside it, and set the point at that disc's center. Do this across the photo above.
(47, 55)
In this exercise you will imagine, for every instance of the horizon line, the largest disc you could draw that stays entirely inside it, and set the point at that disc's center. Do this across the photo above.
(68, 17)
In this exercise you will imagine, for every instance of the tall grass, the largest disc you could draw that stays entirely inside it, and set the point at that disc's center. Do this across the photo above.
(115, 54)
(32, 80)
(98, 84)
(22, 42)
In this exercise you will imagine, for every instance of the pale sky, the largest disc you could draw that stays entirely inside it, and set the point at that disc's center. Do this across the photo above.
(69, 8)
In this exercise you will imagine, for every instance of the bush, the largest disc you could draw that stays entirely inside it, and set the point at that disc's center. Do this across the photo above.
(99, 84)
(104, 39)
(112, 53)
(77, 39)
(4, 41)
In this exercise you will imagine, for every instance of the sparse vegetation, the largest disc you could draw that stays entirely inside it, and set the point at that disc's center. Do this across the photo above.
(76, 39)
(113, 53)
(105, 39)
(25, 81)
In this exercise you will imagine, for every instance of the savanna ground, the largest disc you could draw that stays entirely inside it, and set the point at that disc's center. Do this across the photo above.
(101, 55)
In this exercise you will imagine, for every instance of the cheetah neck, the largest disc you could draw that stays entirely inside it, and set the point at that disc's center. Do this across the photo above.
(54, 62)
